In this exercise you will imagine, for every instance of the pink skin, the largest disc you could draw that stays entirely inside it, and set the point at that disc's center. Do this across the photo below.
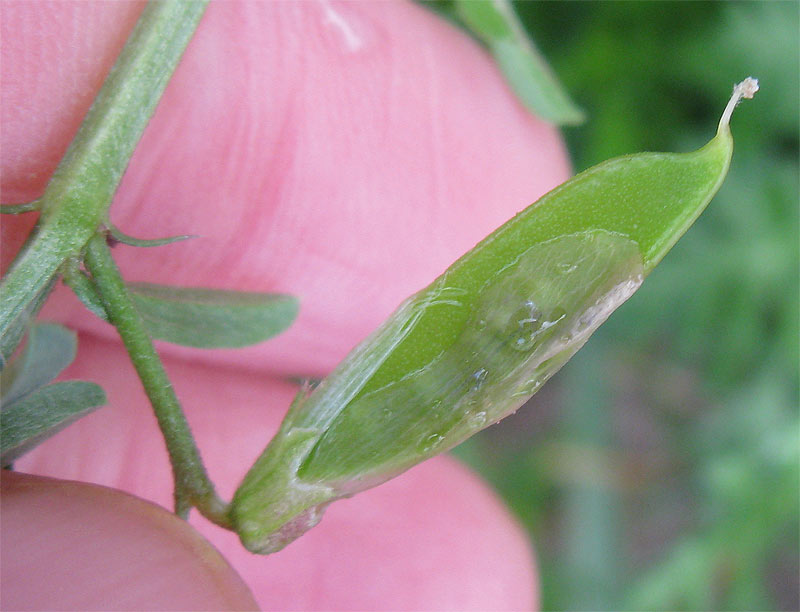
(345, 153)
(93, 548)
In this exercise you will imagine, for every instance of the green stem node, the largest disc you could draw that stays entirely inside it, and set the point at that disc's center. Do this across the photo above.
(76, 200)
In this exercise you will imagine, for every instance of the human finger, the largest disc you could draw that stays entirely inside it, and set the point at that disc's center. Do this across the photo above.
(73, 546)
(433, 538)
(345, 153)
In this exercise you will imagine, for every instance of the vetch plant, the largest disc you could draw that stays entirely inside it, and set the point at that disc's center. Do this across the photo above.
(456, 357)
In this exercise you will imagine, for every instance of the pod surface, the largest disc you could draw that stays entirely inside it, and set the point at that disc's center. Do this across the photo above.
(474, 345)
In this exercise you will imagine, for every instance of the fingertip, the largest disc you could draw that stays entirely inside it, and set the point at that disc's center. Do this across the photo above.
(74, 546)
(434, 538)
(349, 176)
(55, 56)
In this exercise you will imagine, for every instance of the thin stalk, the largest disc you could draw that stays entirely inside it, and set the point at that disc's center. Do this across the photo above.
(76, 200)
(75, 205)
(18, 209)
(192, 485)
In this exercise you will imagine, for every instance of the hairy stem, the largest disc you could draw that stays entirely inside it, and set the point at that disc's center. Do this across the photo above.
(75, 206)
(76, 200)
(18, 209)
(192, 485)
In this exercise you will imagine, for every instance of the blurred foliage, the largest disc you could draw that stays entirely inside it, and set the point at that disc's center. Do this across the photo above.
(495, 25)
(660, 468)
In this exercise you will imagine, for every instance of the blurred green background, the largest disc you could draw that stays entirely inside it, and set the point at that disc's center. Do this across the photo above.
(660, 468)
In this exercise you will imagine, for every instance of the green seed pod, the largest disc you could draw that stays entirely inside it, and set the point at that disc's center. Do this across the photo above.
(473, 346)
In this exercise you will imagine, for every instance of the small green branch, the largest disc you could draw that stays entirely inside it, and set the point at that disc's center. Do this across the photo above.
(76, 200)
(74, 208)
(18, 209)
(84, 288)
(116, 234)
(192, 485)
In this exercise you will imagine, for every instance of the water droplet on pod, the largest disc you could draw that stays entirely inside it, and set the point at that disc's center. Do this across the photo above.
(525, 324)
(479, 377)
(529, 387)
(429, 443)
(477, 420)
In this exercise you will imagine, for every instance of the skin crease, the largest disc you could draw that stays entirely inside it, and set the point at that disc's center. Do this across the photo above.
(345, 153)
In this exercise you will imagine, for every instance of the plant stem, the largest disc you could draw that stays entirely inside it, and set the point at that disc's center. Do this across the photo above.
(75, 205)
(76, 200)
(18, 209)
(192, 485)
